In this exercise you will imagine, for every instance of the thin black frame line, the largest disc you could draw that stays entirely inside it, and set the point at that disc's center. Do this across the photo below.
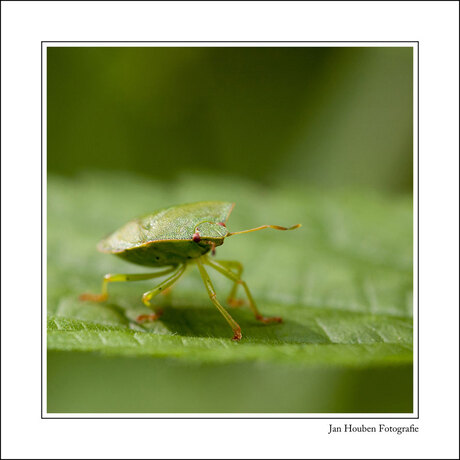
(417, 417)
(229, 418)
(229, 41)
(41, 225)
(242, 1)
(418, 230)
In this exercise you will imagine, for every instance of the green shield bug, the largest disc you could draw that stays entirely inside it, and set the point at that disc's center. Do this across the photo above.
(177, 237)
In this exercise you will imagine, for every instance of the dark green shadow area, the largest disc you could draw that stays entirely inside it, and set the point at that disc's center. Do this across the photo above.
(80, 382)
(207, 322)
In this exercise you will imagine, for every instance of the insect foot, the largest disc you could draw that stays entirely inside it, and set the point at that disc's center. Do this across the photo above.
(237, 335)
(267, 320)
(149, 317)
(93, 297)
(235, 303)
(146, 298)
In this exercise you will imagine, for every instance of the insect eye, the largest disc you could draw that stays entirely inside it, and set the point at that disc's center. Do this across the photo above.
(196, 237)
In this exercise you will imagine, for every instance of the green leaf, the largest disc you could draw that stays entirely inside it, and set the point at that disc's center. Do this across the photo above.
(342, 283)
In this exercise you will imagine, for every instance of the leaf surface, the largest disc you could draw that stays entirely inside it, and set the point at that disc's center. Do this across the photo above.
(342, 283)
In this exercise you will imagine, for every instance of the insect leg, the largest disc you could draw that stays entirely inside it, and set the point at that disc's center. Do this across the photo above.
(213, 296)
(229, 274)
(238, 267)
(160, 288)
(110, 278)
(164, 285)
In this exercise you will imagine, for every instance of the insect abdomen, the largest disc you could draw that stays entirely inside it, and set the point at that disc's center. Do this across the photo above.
(164, 253)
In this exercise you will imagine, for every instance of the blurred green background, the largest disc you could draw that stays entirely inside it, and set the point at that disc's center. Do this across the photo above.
(320, 136)
(326, 116)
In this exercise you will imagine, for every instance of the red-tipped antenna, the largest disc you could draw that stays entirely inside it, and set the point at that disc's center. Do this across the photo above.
(276, 227)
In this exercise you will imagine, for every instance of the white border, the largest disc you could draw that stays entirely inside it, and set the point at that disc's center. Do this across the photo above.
(337, 416)
(435, 24)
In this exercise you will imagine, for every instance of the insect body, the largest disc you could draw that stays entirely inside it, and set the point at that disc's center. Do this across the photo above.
(174, 238)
